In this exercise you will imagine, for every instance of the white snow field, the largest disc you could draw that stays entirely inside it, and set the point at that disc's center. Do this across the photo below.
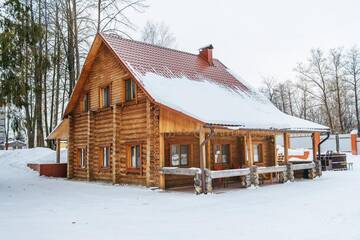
(33, 207)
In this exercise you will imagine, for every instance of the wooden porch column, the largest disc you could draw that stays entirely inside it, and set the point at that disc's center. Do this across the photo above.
(148, 136)
(202, 159)
(315, 142)
(286, 147)
(58, 150)
(275, 152)
(250, 150)
(161, 160)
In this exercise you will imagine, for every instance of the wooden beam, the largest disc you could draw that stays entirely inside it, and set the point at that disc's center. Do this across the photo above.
(115, 144)
(315, 141)
(148, 136)
(250, 150)
(89, 148)
(58, 150)
(208, 156)
(275, 152)
(286, 147)
(202, 158)
(161, 160)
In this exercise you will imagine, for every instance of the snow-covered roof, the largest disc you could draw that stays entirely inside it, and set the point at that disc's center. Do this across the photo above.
(212, 94)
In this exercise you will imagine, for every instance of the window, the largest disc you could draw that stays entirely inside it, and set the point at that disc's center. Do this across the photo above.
(105, 96)
(257, 153)
(82, 157)
(130, 90)
(179, 155)
(106, 157)
(222, 153)
(85, 103)
(135, 156)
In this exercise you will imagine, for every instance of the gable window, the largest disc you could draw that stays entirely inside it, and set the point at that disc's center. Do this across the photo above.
(257, 152)
(134, 156)
(105, 157)
(179, 155)
(130, 90)
(82, 157)
(105, 96)
(85, 103)
(222, 153)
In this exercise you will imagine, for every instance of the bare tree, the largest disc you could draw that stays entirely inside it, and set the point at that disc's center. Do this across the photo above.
(158, 34)
(352, 67)
(112, 15)
(336, 71)
(316, 72)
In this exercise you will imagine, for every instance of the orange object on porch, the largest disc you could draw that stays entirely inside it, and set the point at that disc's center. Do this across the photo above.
(304, 156)
(354, 149)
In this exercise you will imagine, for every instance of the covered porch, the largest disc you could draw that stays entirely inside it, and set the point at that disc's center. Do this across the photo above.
(219, 157)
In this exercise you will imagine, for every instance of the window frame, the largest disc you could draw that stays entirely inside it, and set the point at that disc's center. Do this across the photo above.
(130, 94)
(130, 167)
(260, 152)
(81, 157)
(101, 96)
(102, 156)
(220, 156)
(188, 146)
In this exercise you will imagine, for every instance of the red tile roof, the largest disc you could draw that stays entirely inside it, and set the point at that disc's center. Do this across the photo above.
(144, 58)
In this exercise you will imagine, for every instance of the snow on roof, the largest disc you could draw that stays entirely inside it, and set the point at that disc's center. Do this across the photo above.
(217, 104)
(211, 94)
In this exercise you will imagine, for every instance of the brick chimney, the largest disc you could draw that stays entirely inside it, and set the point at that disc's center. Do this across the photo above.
(206, 54)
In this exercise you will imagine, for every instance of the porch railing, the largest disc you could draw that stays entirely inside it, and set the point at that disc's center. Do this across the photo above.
(248, 176)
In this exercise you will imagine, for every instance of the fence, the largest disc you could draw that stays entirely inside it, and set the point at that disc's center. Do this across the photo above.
(347, 142)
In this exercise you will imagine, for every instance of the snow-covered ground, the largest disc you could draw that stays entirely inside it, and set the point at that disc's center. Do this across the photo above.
(33, 207)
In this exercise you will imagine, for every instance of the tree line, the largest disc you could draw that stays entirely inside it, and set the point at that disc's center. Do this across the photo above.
(43, 44)
(325, 90)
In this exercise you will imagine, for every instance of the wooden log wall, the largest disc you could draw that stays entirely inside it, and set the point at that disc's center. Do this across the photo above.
(118, 126)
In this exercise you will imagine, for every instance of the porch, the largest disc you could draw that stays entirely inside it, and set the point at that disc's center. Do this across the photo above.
(209, 159)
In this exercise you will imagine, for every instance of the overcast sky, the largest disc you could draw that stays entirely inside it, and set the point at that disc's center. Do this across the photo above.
(258, 38)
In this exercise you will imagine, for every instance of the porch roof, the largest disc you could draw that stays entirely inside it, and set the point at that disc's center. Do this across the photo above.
(61, 131)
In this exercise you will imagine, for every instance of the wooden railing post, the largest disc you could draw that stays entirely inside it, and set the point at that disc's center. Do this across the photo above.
(290, 172)
(254, 176)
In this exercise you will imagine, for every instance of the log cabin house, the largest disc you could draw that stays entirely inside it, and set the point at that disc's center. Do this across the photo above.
(149, 115)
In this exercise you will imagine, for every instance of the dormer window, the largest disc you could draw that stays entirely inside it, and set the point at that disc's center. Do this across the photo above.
(130, 90)
(105, 97)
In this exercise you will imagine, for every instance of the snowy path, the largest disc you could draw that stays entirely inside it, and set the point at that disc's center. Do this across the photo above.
(33, 207)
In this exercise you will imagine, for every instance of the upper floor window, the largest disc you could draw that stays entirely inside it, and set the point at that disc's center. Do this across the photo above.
(222, 153)
(130, 90)
(179, 155)
(105, 96)
(85, 103)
